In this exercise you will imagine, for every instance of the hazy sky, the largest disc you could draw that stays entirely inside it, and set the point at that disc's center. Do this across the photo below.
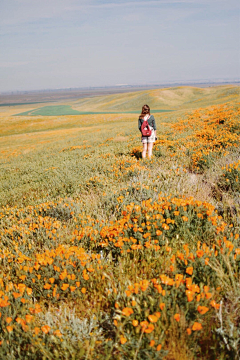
(77, 43)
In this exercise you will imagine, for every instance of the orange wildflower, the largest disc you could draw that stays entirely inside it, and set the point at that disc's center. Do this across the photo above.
(190, 295)
(127, 311)
(135, 322)
(202, 309)
(29, 291)
(149, 329)
(65, 286)
(21, 287)
(47, 286)
(162, 306)
(189, 270)
(16, 295)
(153, 318)
(214, 304)
(152, 343)
(159, 347)
(19, 320)
(144, 324)
(197, 326)
(200, 253)
(177, 317)
(28, 318)
(9, 328)
(45, 329)
(123, 340)
(208, 295)
(57, 333)
(144, 285)
(36, 330)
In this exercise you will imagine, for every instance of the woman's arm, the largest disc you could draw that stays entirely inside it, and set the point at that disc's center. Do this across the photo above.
(154, 125)
(139, 124)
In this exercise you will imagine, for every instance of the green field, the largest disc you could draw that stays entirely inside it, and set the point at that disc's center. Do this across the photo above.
(61, 110)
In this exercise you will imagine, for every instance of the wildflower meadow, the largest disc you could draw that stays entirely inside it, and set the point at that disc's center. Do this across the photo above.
(105, 255)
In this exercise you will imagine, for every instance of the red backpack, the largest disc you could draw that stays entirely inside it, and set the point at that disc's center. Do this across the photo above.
(145, 128)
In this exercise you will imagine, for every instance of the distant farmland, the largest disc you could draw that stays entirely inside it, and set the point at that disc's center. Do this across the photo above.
(61, 110)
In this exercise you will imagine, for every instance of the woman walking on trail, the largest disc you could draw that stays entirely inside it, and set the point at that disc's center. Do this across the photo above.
(147, 141)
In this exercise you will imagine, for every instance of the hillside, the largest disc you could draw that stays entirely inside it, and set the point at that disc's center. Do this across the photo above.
(105, 255)
(178, 98)
(170, 99)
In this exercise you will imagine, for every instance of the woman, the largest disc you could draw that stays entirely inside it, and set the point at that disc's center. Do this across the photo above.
(147, 140)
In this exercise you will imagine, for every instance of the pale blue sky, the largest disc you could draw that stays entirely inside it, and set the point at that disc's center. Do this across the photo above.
(78, 43)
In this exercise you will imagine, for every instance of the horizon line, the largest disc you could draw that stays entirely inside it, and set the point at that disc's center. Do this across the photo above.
(175, 82)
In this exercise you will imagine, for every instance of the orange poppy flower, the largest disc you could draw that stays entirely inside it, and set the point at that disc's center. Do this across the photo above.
(208, 295)
(189, 270)
(21, 287)
(28, 318)
(16, 295)
(127, 311)
(162, 305)
(144, 324)
(36, 330)
(57, 333)
(19, 320)
(29, 291)
(45, 329)
(153, 318)
(65, 286)
(200, 253)
(214, 304)
(123, 340)
(197, 326)
(190, 295)
(159, 347)
(149, 329)
(47, 286)
(177, 317)
(202, 309)
(152, 343)
(135, 322)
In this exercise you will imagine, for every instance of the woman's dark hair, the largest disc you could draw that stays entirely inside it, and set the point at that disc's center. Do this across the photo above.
(145, 111)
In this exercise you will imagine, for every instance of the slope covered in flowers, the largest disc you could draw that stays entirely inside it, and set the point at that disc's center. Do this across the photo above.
(106, 256)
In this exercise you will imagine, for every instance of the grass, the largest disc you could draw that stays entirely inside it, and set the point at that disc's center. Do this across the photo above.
(61, 110)
(105, 255)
